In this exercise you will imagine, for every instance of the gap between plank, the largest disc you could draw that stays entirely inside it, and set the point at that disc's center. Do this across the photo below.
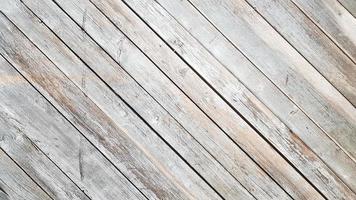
(61, 113)
(50, 196)
(126, 102)
(339, 145)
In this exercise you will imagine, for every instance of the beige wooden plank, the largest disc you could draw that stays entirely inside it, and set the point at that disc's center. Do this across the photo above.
(15, 184)
(183, 182)
(172, 131)
(17, 144)
(229, 190)
(350, 5)
(205, 98)
(31, 126)
(47, 79)
(287, 69)
(170, 97)
(335, 21)
(252, 108)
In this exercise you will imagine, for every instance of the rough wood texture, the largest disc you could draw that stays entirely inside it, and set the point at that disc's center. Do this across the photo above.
(176, 99)
(203, 96)
(15, 184)
(247, 104)
(350, 5)
(15, 125)
(332, 18)
(59, 140)
(287, 69)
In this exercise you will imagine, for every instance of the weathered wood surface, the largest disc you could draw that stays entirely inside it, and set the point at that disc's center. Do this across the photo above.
(287, 69)
(15, 184)
(58, 139)
(180, 107)
(311, 42)
(92, 87)
(350, 5)
(201, 94)
(61, 91)
(16, 122)
(161, 99)
(336, 22)
(244, 101)
(227, 160)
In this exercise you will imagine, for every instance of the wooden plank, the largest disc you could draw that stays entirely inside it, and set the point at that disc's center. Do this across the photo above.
(231, 191)
(32, 127)
(252, 108)
(49, 79)
(169, 97)
(350, 5)
(210, 102)
(287, 69)
(168, 163)
(17, 144)
(334, 20)
(15, 184)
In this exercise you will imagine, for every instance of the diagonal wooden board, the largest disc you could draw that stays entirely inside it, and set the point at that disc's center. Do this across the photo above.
(40, 130)
(287, 69)
(199, 59)
(334, 20)
(15, 184)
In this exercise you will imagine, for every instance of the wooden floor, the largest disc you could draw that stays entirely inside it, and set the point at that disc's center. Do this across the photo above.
(177, 99)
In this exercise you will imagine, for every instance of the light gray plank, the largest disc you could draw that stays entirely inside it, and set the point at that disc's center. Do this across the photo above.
(52, 81)
(321, 52)
(210, 102)
(336, 22)
(30, 126)
(203, 162)
(17, 144)
(171, 98)
(287, 69)
(251, 107)
(314, 45)
(15, 184)
(350, 5)
(157, 175)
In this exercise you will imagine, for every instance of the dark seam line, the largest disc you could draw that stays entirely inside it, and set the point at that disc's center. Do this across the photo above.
(261, 101)
(248, 121)
(270, 81)
(334, 41)
(317, 124)
(125, 102)
(178, 88)
(210, 88)
(1, 149)
(107, 85)
(346, 8)
(295, 50)
(63, 114)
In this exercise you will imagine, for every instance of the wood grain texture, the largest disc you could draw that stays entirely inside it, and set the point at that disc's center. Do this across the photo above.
(287, 69)
(172, 131)
(205, 98)
(15, 184)
(110, 103)
(312, 43)
(335, 21)
(17, 144)
(247, 104)
(350, 5)
(59, 90)
(227, 160)
(40, 128)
